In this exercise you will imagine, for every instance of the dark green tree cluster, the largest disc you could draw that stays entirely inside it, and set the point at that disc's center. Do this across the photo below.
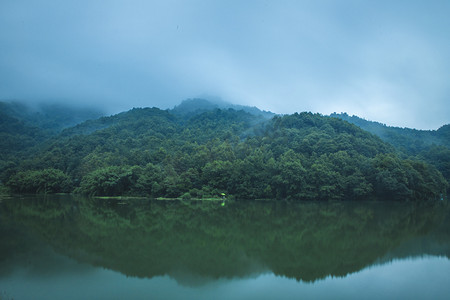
(23, 129)
(155, 153)
(41, 181)
(431, 146)
(16, 136)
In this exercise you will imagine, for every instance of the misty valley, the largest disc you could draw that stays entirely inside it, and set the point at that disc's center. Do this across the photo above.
(214, 200)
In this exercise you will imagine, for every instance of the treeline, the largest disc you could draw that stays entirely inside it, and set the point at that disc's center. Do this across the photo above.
(155, 153)
(431, 146)
(23, 129)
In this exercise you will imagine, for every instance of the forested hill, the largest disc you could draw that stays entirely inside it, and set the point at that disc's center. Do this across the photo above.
(432, 146)
(199, 105)
(51, 118)
(23, 127)
(156, 153)
(412, 141)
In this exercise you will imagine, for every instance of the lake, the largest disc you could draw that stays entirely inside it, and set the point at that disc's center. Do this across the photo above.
(64, 247)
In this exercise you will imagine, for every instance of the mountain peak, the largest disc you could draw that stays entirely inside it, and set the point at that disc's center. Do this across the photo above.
(199, 105)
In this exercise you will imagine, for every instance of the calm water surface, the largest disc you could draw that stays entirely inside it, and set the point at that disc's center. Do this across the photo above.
(75, 248)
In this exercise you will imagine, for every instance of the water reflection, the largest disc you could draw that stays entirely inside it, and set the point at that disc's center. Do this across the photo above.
(198, 243)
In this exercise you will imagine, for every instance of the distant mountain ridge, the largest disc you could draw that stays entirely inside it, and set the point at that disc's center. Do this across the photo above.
(49, 117)
(23, 127)
(199, 105)
(432, 146)
(411, 140)
(186, 109)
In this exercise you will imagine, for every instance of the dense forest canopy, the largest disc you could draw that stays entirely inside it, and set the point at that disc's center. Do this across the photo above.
(409, 140)
(23, 128)
(165, 153)
(431, 146)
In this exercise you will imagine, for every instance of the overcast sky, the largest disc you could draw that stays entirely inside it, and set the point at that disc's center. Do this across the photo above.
(387, 61)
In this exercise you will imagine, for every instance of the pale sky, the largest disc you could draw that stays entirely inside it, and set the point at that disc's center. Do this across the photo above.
(387, 61)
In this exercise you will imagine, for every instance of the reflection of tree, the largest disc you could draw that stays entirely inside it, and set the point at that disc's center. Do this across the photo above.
(436, 242)
(306, 241)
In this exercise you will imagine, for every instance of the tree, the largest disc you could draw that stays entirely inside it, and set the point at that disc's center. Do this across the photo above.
(40, 181)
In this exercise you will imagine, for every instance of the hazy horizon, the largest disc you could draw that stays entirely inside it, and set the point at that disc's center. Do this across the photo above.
(385, 61)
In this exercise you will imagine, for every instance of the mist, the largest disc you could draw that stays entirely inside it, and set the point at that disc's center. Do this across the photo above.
(384, 61)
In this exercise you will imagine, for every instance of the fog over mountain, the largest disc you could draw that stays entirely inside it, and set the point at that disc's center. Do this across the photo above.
(381, 60)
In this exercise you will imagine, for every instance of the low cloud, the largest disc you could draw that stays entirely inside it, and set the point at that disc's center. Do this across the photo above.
(383, 61)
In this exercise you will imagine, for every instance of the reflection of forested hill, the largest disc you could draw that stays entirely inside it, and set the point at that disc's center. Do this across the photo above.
(306, 241)
(436, 242)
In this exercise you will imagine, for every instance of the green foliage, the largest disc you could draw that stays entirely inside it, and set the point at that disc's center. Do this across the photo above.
(109, 181)
(438, 156)
(23, 129)
(3, 190)
(16, 136)
(190, 107)
(431, 146)
(155, 153)
(40, 181)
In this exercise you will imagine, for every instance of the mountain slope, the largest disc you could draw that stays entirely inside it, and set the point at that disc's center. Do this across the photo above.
(411, 141)
(432, 146)
(158, 153)
(22, 126)
(17, 136)
(198, 105)
(51, 118)
(23, 129)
